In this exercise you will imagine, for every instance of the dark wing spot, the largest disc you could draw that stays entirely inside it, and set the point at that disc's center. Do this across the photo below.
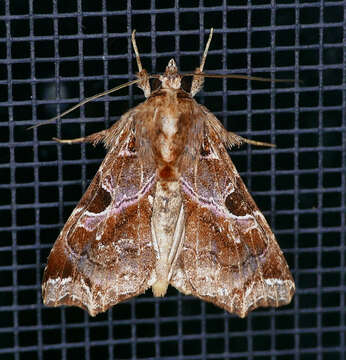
(131, 146)
(100, 202)
(205, 148)
(236, 202)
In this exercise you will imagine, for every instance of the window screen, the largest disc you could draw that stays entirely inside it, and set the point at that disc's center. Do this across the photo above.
(55, 53)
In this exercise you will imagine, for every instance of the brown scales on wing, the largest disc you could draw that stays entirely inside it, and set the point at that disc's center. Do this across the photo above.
(167, 206)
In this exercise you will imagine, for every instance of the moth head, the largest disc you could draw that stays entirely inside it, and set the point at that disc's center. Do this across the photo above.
(171, 79)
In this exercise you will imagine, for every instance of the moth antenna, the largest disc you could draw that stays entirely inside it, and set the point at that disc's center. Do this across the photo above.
(204, 57)
(197, 81)
(84, 102)
(142, 73)
(135, 48)
(239, 76)
(198, 75)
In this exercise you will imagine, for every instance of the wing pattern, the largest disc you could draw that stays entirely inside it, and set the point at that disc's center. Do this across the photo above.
(104, 253)
(229, 256)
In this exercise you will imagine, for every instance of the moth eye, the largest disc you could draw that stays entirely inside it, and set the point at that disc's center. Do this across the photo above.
(155, 84)
(186, 83)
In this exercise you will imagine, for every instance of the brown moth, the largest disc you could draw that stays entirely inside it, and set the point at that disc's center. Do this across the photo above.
(167, 207)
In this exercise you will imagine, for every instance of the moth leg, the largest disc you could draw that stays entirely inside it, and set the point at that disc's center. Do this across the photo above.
(234, 139)
(93, 138)
(197, 81)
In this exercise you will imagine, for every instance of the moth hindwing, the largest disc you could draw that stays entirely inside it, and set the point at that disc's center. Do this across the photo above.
(167, 206)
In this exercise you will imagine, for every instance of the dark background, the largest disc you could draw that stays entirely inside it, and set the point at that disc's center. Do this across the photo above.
(52, 54)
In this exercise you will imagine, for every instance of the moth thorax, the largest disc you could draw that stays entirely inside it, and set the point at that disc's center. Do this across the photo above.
(167, 141)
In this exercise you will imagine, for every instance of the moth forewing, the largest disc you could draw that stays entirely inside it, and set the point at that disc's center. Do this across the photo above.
(167, 206)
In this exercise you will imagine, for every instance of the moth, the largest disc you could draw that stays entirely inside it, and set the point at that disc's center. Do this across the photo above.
(167, 207)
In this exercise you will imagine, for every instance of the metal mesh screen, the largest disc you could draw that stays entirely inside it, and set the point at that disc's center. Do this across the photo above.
(52, 54)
